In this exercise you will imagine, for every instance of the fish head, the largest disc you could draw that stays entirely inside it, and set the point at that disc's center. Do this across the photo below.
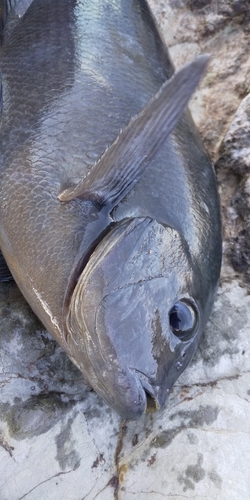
(136, 315)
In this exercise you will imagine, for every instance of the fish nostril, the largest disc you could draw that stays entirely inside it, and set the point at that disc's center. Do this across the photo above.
(152, 405)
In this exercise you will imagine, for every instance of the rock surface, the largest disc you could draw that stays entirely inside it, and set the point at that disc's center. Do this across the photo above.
(58, 440)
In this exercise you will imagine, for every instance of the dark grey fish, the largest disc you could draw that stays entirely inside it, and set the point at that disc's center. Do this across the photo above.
(109, 212)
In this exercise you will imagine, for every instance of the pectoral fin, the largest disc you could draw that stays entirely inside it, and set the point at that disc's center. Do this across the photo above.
(7, 6)
(21, 6)
(124, 162)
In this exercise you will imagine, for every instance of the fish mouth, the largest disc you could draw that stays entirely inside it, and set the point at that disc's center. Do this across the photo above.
(152, 392)
(143, 397)
(152, 403)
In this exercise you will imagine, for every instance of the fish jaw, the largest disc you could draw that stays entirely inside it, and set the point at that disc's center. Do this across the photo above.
(120, 388)
(118, 319)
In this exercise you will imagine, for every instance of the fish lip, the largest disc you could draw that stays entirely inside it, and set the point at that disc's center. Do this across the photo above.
(153, 399)
(133, 403)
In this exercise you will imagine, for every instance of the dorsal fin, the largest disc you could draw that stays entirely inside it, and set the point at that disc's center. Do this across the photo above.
(124, 162)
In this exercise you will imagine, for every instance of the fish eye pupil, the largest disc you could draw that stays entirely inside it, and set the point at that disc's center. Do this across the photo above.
(182, 319)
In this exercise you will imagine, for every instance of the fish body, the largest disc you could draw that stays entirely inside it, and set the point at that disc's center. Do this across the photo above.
(127, 286)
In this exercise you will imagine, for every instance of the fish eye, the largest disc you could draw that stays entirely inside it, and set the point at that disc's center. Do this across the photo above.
(183, 319)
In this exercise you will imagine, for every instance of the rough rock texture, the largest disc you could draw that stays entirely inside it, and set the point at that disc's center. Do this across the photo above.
(234, 173)
(58, 440)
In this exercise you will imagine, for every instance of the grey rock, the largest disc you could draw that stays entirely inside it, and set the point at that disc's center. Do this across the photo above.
(233, 169)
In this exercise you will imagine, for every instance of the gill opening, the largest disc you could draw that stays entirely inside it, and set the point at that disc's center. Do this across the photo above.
(80, 263)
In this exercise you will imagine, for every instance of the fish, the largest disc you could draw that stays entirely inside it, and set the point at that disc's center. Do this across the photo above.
(109, 208)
